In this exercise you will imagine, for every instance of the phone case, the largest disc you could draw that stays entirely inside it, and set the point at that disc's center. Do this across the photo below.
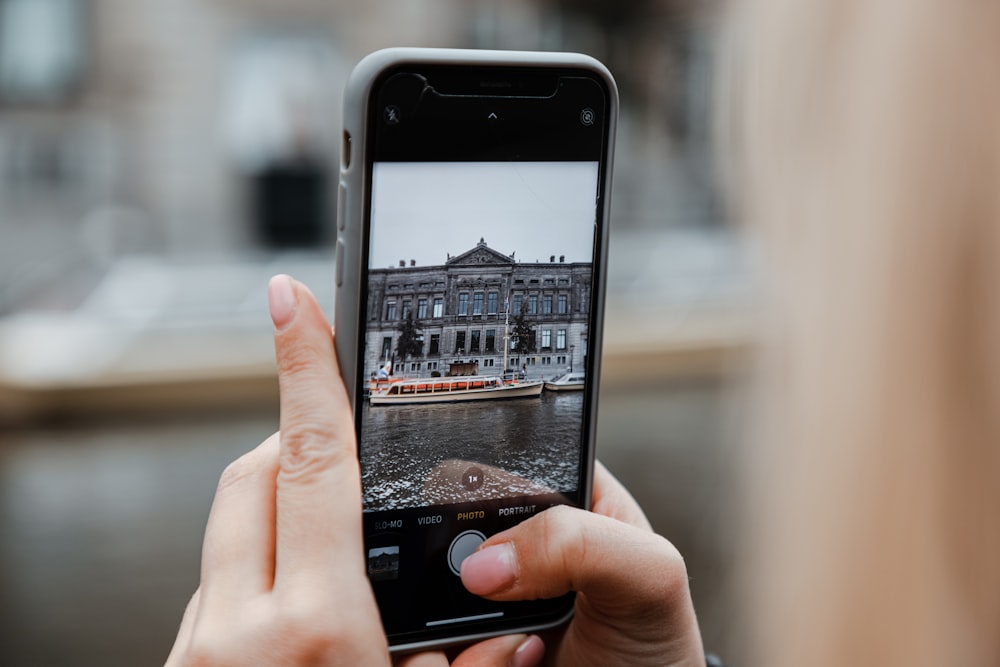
(351, 204)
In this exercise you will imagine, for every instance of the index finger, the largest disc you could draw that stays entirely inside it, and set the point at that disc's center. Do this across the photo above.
(612, 499)
(318, 497)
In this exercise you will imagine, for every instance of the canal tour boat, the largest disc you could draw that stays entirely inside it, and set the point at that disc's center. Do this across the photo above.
(453, 390)
(566, 382)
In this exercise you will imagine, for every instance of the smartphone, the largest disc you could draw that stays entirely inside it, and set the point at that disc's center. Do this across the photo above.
(470, 270)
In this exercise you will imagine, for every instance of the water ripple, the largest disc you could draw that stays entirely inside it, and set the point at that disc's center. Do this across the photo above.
(536, 440)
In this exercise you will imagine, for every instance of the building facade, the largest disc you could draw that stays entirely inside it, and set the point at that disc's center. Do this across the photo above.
(461, 309)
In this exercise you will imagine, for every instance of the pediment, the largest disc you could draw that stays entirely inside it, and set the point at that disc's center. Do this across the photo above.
(481, 254)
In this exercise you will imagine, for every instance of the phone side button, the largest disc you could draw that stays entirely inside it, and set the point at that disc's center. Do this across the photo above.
(462, 547)
(342, 207)
(338, 263)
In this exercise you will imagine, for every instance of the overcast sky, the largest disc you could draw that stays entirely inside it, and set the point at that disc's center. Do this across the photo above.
(425, 210)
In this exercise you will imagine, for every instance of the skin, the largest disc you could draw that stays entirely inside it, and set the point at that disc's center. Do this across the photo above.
(283, 577)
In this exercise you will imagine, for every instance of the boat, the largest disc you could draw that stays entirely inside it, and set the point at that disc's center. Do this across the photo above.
(568, 381)
(380, 385)
(453, 390)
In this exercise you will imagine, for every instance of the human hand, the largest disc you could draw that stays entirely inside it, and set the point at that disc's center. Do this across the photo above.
(283, 576)
(633, 604)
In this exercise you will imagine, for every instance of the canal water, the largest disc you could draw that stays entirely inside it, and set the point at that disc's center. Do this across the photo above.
(533, 443)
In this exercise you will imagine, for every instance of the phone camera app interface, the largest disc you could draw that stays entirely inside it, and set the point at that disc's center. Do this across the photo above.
(477, 334)
(476, 341)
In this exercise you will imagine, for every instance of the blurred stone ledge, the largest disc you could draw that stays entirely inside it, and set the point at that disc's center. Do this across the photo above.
(158, 336)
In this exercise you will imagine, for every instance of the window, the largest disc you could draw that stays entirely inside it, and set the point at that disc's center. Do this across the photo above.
(432, 365)
(561, 361)
(563, 304)
(438, 307)
(459, 342)
(474, 346)
(532, 305)
(547, 304)
(415, 366)
(435, 344)
(407, 306)
(550, 281)
(491, 340)
(546, 361)
(546, 339)
(421, 309)
(390, 310)
(463, 303)
(42, 49)
(491, 303)
(386, 346)
(561, 339)
(516, 306)
(477, 303)
(489, 362)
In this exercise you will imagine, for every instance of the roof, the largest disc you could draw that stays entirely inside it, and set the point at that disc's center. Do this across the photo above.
(481, 254)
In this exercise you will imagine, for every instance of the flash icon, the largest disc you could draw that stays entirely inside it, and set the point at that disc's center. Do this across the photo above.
(391, 115)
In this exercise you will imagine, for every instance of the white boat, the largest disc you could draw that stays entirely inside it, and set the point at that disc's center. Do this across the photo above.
(453, 390)
(566, 382)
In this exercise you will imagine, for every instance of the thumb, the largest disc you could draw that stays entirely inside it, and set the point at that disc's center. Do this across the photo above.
(620, 569)
(508, 651)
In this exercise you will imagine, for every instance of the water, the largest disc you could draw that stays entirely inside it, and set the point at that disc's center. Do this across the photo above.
(527, 446)
(102, 522)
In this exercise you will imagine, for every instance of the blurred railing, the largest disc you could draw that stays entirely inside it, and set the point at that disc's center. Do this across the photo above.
(156, 334)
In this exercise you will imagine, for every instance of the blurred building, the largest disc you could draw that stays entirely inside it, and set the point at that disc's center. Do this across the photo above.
(199, 127)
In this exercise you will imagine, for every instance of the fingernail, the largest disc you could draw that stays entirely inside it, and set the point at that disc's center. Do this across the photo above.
(490, 570)
(281, 299)
(529, 653)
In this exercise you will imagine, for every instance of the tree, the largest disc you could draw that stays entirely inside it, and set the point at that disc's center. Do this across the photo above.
(522, 334)
(411, 338)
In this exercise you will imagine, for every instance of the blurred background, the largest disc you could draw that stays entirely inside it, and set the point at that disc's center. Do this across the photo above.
(159, 161)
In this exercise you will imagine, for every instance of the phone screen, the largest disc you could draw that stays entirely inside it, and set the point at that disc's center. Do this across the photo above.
(483, 273)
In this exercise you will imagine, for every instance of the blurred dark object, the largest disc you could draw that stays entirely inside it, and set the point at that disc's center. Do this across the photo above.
(290, 205)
